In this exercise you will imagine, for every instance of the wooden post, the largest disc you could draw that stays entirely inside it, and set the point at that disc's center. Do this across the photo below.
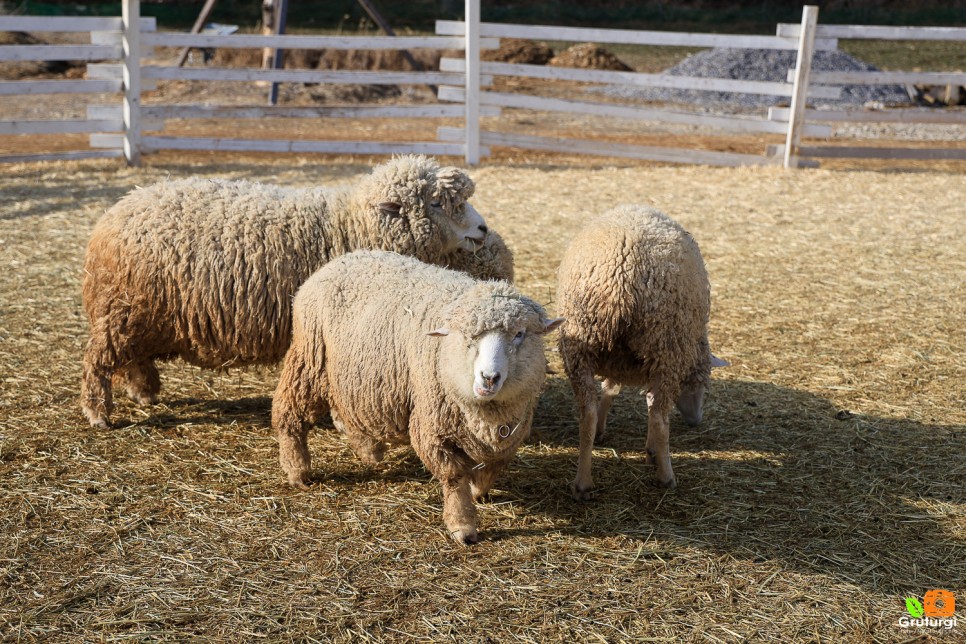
(131, 52)
(803, 67)
(196, 28)
(472, 127)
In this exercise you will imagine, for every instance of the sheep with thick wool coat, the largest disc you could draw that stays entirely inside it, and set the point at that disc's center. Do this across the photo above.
(205, 269)
(401, 352)
(634, 290)
(490, 261)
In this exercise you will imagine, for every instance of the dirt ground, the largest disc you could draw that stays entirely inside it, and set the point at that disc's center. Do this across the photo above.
(826, 484)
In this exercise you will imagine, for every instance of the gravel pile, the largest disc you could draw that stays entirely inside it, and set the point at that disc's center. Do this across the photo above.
(759, 65)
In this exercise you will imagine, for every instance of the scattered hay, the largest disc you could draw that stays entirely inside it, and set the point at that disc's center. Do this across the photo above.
(792, 522)
(589, 56)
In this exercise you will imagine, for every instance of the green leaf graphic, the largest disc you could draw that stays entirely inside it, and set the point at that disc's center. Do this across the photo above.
(914, 606)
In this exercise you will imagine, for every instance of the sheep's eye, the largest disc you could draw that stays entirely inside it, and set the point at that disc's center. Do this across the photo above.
(436, 204)
(518, 338)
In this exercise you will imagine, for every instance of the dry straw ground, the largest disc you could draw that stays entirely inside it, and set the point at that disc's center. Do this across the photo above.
(827, 483)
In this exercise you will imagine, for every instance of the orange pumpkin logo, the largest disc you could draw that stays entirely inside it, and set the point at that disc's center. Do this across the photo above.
(939, 603)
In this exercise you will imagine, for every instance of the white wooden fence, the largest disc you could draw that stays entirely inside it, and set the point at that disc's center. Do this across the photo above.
(128, 128)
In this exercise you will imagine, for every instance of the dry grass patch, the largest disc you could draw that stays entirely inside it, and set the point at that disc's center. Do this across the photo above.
(826, 483)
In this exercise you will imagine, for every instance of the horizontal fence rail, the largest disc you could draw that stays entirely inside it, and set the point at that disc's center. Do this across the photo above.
(469, 89)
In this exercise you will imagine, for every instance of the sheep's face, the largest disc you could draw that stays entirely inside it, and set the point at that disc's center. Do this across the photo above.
(691, 400)
(447, 205)
(498, 361)
(424, 209)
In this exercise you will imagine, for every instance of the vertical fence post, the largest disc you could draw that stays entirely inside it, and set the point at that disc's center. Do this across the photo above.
(131, 52)
(803, 67)
(472, 128)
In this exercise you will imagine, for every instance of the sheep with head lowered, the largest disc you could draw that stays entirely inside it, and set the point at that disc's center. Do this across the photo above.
(402, 352)
(205, 269)
(634, 290)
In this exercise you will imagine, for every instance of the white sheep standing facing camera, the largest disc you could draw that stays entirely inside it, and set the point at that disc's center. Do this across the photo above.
(634, 290)
(205, 270)
(402, 352)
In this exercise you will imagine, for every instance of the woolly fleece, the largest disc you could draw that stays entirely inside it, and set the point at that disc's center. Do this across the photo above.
(361, 351)
(205, 270)
(634, 290)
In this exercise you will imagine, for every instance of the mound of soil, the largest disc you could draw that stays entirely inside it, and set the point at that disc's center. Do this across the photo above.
(589, 56)
(521, 52)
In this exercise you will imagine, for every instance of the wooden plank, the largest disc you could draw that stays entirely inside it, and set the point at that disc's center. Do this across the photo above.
(112, 141)
(258, 41)
(59, 23)
(625, 36)
(381, 111)
(636, 79)
(152, 143)
(803, 68)
(60, 156)
(61, 127)
(13, 88)
(727, 123)
(609, 148)
(861, 115)
(195, 28)
(870, 152)
(59, 52)
(890, 78)
(114, 71)
(300, 76)
(69, 23)
(857, 32)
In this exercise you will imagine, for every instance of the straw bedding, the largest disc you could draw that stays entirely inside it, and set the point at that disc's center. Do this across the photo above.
(826, 483)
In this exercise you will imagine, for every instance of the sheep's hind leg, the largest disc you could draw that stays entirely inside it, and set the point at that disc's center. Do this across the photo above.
(585, 392)
(97, 401)
(295, 407)
(609, 390)
(141, 380)
(368, 449)
(657, 444)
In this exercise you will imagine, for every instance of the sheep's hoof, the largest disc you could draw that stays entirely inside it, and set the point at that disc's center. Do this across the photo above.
(96, 420)
(299, 480)
(465, 536)
(482, 498)
(583, 493)
(144, 399)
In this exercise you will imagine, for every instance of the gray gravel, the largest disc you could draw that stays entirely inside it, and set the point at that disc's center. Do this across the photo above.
(759, 65)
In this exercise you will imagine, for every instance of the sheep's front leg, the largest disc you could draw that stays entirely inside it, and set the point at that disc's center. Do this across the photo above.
(657, 444)
(609, 390)
(459, 511)
(482, 479)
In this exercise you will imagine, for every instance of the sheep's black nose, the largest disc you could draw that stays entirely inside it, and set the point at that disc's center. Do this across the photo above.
(483, 228)
(490, 380)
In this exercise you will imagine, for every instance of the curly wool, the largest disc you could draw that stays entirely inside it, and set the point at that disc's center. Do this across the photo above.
(361, 350)
(492, 261)
(635, 292)
(205, 269)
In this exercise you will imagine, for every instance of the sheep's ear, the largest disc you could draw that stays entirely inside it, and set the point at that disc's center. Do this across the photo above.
(439, 332)
(718, 362)
(390, 207)
(550, 325)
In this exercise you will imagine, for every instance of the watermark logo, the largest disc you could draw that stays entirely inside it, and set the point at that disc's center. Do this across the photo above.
(937, 609)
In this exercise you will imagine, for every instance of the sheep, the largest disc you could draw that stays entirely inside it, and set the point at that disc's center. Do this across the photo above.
(205, 269)
(634, 290)
(490, 261)
(400, 352)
